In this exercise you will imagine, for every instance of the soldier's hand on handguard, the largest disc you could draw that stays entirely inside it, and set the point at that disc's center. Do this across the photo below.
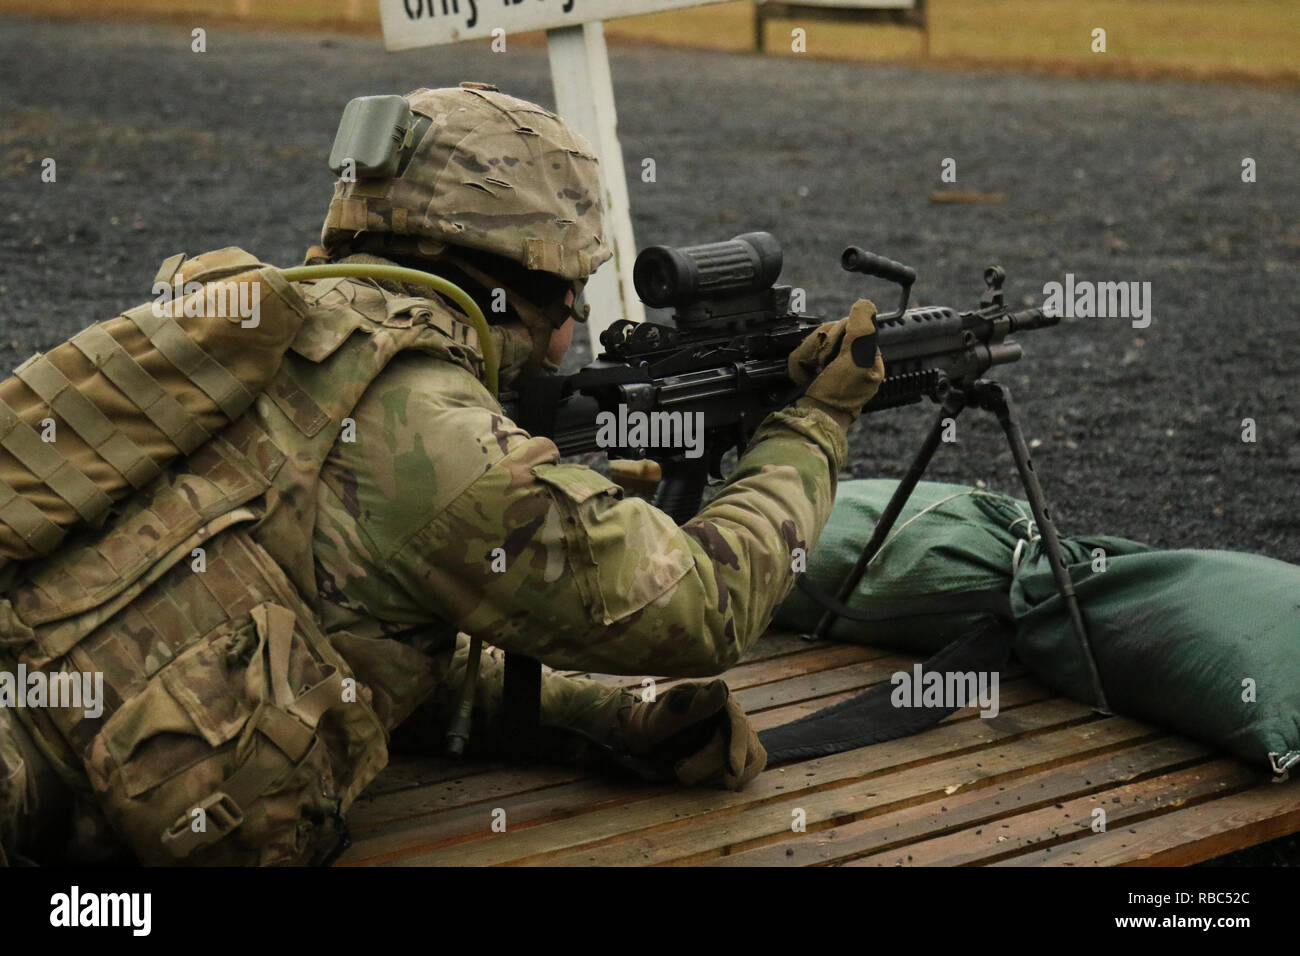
(699, 732)
(840, 364)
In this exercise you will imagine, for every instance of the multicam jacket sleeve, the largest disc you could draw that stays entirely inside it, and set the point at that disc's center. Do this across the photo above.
(443, 508)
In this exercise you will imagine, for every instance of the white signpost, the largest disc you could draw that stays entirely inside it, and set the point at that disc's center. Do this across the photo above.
(584, 98)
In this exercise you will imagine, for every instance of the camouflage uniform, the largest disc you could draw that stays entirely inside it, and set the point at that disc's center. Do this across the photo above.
(405, 510)
(411, 516)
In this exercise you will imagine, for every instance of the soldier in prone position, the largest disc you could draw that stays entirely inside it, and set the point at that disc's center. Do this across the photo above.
(409, 511)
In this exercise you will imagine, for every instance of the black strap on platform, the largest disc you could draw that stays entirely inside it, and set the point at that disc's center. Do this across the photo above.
(871, 717)
(522, 702)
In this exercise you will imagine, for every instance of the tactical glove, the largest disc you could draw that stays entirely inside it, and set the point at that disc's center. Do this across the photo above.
(700, 732)
(840, 364)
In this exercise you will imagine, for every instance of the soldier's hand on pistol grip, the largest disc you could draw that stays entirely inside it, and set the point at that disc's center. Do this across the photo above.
(700, 732)
(841, 365)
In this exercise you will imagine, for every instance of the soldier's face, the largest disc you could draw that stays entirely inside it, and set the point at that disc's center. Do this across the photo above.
(561, 338)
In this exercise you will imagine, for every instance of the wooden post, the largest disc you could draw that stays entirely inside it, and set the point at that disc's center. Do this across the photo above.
(584, 99)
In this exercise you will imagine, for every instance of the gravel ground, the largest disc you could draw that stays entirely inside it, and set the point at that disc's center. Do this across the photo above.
(160, 149)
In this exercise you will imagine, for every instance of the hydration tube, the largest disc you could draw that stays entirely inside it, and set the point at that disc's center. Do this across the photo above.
(401, 274)
(458, 734)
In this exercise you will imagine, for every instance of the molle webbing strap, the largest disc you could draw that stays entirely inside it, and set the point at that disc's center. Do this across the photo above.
(213, 378)
(224, 807)
(42, 534)
(42, 460)
(82, 415)
(553, 257)
(170, 266)
(276, 626)
(181, 428)
(286, 722)
(310, 706)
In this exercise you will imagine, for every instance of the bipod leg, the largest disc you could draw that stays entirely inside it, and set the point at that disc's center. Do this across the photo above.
(458, 733)
(952, 407)
(997, 399)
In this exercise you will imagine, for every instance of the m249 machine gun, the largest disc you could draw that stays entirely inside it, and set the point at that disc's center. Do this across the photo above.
(723, 360)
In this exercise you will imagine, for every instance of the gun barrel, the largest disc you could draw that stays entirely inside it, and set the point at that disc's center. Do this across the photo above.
(1032, 319)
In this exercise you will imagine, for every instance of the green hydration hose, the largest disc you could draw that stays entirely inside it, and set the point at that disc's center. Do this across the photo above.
(458, 733)
(415, 276)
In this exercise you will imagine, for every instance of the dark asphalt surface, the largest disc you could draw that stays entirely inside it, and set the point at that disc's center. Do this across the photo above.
(160, 150)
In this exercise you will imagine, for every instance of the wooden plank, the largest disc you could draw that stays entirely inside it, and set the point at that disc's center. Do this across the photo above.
(817, 659)
(831, 681)
(400, 838)
(971, 807)
(407, 771)
(496, 785)
(793, 656)
(389, 809)
(1051, 827)
(772, 644)
(784, 664)
(681, 806)
(820, 684)
(1031, 777)
(1011, 694)
(713, 836)
(776, 643)
(1186, 836)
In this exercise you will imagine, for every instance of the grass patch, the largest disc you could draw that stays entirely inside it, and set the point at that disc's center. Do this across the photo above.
(1209, 39)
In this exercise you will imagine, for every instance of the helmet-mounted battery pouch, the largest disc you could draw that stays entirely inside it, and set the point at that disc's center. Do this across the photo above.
(371, 137)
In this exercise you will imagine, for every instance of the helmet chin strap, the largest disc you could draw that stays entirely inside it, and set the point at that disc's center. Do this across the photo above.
(537, 320)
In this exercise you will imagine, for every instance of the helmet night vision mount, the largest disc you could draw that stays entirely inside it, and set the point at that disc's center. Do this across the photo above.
(378, 135)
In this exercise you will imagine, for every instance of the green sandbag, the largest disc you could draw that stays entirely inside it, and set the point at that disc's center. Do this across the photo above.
(1182, 639)
(1206, 643)
(948, 538)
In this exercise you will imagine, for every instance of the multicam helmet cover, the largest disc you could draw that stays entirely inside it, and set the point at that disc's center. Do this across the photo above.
(487, 171)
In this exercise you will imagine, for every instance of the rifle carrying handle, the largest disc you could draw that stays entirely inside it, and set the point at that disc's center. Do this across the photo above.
(854, 259)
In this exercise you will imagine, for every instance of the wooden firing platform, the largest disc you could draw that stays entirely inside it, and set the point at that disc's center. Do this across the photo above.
(1017, 789)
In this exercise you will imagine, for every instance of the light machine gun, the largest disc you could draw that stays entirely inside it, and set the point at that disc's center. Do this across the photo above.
(724, 359)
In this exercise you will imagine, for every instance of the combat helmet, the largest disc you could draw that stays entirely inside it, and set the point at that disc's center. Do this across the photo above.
(440, 171)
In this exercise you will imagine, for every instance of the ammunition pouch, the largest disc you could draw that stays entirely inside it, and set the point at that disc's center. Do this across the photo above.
(229, 731)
